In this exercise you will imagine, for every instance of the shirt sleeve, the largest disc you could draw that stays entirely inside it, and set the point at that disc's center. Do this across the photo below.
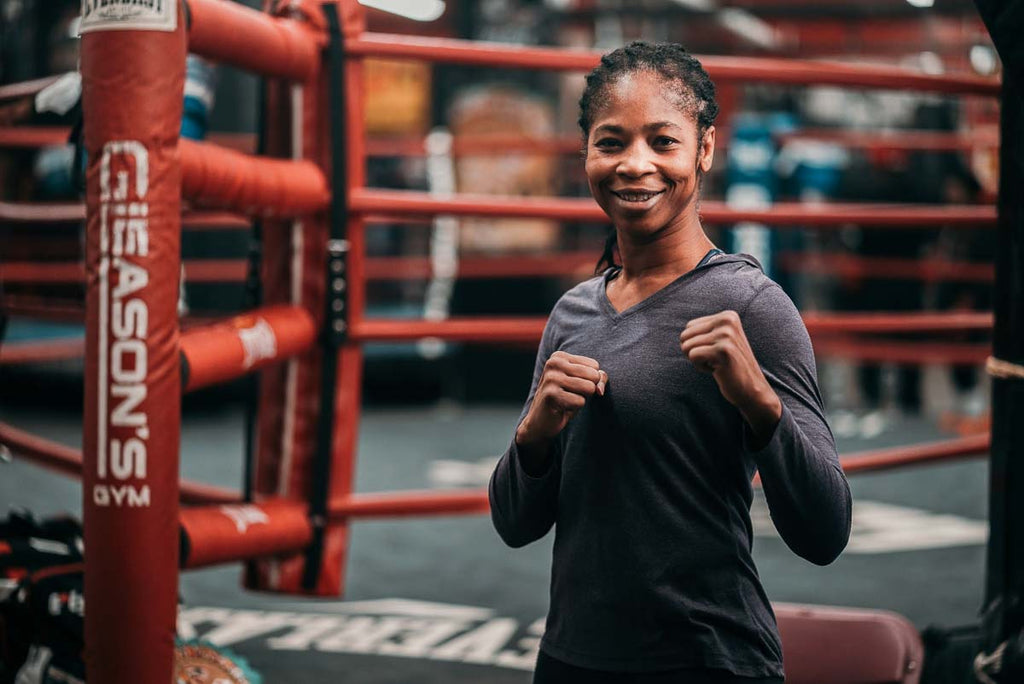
(523, 506)
(807, 493)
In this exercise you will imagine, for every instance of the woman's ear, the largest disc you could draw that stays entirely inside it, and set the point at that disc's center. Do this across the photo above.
(706, 154)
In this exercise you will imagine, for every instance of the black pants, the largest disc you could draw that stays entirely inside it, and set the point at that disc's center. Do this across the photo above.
(552, 671)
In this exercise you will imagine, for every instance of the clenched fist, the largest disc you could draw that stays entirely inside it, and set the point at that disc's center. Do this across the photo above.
(716, 344)
(563, 389)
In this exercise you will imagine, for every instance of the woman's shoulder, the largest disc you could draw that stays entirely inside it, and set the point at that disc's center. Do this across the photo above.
(741, 279)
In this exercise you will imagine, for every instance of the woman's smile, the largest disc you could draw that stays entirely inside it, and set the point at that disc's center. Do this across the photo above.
(638, 199)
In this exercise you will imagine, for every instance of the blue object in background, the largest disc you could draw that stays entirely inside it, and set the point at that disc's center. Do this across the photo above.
(751, 184)
(200, 82)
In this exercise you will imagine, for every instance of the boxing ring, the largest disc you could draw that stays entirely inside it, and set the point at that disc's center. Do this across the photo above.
(307, 193)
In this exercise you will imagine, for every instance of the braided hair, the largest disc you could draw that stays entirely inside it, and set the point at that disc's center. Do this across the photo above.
(692, 90)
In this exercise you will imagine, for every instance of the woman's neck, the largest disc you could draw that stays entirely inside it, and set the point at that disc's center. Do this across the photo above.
(666, 255)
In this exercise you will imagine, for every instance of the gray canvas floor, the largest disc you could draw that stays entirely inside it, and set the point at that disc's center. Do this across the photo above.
(442, 600)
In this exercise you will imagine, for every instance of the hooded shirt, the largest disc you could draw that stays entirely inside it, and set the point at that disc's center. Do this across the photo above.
(649, 486)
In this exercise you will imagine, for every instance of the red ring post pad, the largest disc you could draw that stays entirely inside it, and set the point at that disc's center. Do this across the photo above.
(212, 535)
(229, 349)
(217, 176)
(133, 77)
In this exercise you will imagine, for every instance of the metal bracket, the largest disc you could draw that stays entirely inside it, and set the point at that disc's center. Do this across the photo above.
(336, 324)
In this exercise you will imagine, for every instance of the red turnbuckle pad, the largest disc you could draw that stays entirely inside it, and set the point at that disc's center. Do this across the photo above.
(233, 532)
(215, 176)
(229, 349)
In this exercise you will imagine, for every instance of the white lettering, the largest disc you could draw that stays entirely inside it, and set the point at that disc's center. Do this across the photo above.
(101, 495)
(130, 278)
(362, 634)
(105, 495)
(148, 15)
(128, 459)
(887, 528)
(391, 635)
(120, 370)
(133, 396)
(422, 636)
(306, 632)
(123, 367)
(258, 342)
(246, 624)
(479, 646)
(526, 659)
(244, 516)
(131, 235)
(131, 318)
(121, 191)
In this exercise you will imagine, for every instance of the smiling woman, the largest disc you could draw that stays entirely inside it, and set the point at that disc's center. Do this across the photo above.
(661, 386)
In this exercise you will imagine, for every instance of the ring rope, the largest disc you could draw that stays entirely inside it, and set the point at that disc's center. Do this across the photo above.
(1004, 370)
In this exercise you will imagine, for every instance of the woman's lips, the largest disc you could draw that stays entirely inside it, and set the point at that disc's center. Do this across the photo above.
(637, 199)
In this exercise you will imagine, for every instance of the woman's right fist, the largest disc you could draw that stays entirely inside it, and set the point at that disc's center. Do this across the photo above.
(565, 385)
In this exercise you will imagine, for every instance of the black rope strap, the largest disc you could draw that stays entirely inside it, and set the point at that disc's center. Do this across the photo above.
(335, 329)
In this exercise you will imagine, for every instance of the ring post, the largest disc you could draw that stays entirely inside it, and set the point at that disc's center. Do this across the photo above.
(1003, 609)
(133, 73)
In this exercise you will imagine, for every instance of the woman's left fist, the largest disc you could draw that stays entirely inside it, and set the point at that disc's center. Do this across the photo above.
(716, 344)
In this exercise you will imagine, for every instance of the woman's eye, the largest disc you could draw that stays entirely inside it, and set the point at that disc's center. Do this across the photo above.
(664, 141)
(607, 143)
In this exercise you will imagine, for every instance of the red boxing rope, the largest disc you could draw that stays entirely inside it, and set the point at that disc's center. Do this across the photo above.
(898, 351)
(16, 91)
(820, 323)
(578, 263)
(497, 143)
(759, 69)
(509, 329)
(396, 504)
(58, 272)
(927, 269)
(68, 461)
(780, 215)
(38, 352)
(219, 351)
(63, 212)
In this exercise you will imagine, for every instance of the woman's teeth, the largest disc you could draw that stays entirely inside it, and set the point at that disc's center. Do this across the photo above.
(636, 196)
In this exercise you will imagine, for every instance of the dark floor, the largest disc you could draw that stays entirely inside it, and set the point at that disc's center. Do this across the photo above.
(442, 600)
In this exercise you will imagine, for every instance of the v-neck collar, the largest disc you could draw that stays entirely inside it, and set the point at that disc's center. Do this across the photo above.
(609, 309)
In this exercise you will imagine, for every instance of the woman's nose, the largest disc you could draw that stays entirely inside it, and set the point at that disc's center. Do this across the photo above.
(636, 161)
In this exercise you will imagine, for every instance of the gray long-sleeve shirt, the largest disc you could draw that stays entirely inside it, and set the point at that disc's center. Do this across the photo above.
(649, 486)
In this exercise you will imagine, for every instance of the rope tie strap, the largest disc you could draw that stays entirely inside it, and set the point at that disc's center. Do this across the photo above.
(986, 664)
(1004, 370)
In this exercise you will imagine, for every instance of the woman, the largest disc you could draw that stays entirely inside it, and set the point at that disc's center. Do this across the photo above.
(660, 387)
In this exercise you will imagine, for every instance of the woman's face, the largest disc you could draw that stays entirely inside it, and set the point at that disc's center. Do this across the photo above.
(643, 156)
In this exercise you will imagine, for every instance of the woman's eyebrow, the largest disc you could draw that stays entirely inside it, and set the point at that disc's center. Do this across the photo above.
(659, 125)
(618, 130)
